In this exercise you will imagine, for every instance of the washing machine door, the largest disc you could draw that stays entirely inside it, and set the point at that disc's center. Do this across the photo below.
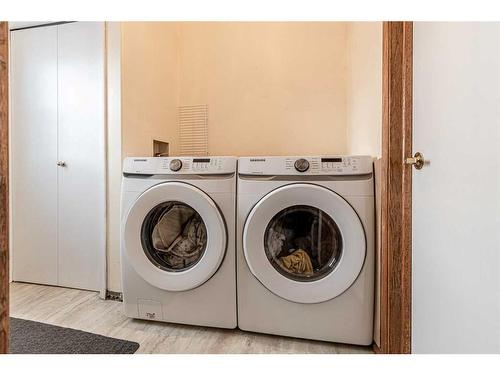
(174, 236)
(304, 243)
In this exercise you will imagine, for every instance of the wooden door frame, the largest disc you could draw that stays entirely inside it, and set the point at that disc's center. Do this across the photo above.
(4, 188)
(396, 231)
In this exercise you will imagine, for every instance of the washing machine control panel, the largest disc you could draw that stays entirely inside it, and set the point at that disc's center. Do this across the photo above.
(180, 165)
(301, 165)
(175, 165)
(309, 165)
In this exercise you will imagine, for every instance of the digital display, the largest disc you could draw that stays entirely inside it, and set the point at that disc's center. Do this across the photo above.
(201, 160)
(331, 160)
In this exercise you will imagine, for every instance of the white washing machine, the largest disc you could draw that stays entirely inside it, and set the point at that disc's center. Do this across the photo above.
(178, 243)
(305, 249)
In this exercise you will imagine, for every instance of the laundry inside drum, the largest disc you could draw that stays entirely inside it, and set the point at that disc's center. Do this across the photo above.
(173, 236)
(303, 243)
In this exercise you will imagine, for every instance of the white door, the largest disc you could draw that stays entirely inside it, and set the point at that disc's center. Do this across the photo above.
(81, 203)
(57, 115)
(33, 147)
(456, 198)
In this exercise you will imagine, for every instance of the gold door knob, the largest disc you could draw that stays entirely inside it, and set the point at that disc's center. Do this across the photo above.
(417, 160)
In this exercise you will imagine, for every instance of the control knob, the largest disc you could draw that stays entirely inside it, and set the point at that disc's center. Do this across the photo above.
(301, 165)
(175, 165)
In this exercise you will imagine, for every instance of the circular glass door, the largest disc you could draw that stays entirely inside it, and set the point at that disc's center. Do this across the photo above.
(304, 243)
(174, 236)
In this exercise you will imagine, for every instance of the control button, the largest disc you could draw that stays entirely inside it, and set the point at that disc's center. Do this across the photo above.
(301, 165)
(175, 165)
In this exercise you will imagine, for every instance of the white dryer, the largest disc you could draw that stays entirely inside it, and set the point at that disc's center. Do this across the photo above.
(178, 243)
(305, 248)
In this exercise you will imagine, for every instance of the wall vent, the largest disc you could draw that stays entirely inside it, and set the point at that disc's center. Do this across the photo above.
(193, 130)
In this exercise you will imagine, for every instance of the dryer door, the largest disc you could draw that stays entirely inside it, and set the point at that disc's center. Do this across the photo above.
(174, 236)
(304, 243)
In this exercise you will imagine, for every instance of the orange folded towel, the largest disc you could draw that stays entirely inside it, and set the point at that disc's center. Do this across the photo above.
(297, 262)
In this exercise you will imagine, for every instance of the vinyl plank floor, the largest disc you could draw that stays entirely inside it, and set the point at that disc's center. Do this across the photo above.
(84, 310)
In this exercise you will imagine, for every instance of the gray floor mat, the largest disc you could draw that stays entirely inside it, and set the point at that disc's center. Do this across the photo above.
(29, 337)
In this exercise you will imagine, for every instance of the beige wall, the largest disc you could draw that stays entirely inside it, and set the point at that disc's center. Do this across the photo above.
(149, 86)
(271, 88)
(364, 88)
(364, 111)
(144, 83)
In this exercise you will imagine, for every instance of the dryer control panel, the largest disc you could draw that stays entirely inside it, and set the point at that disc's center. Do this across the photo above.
(180, 165)
(306, 165)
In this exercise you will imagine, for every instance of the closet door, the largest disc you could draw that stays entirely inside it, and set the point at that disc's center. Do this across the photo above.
(33, 82)
(81, 155)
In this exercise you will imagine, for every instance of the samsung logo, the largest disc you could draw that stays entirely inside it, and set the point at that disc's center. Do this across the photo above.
(252, 160)
(140, 159)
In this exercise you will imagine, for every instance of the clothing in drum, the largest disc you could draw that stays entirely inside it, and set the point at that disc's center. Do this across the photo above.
(303, 243)
(174, 236)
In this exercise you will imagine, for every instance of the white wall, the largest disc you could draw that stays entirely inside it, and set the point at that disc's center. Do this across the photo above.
(364, 88)
(114, 153)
